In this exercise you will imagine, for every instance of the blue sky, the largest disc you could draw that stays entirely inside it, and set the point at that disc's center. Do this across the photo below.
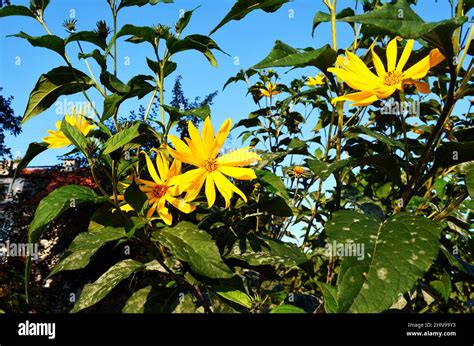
(250, 40)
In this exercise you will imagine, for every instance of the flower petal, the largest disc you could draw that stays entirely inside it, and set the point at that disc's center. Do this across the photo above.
(240, 157)
(363, 98)
(238, 173)
(180, 204)
(210, 191)
(391, 54)
(152, 170)
(405, 55)
(221, 137)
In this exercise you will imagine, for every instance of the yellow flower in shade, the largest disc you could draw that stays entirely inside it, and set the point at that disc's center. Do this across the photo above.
(318, 80)
(57, 139)
(212, 169)
(269, 90)
(298, 172)
(386, 81)
(160, 190)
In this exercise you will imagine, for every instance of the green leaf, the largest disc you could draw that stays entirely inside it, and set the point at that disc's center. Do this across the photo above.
(56, 203)
(184, 20)
(175, 114)
(75, 136)
(84, 246)
(392, 256)
(136, 303)
(453, 153)
(259, 251)
(234, 295)
(135, 197)
(169, 68)
(128, 3)
(277, 205)
(321, 17)
(96, 291)
(243, 7)
(121, 138)
(443, 286)
(283, 55)
(14, 10)
(378, 136)
(139, 34)
(51, 42)
(399, 19)
(112, 103)
(34, 149)
(113, 83)
(324, 170)
(469, 179)
(273, 183)
(201, 43)
(97, 56)
(330, 297)
(196, 247)
(50, 86)
(287, 309)
(87, 36)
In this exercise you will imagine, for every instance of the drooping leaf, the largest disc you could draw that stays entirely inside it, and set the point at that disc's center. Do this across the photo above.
(287, 309)
(34, 149)
(201, 43)
(273, 183)
(258, 251)
(168, 69)
(377, 135)
(97, 56)
(453, 153)
(51, 42)
(382, 259)
(243, 7)
(50, 86)
(283, 55)
(15, 10)
(323, 170)
(322, 17)
(128, 3)
(136, 303)
(195, 247)
(399, 19)
(87, 36)
(139, 34)
(84, 246)
(56, 203)
(175, 114)
(96, 291)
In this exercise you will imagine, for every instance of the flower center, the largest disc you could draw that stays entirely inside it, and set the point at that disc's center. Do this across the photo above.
(298, 170)
(392, 78)
(159, 190)
(210, 165)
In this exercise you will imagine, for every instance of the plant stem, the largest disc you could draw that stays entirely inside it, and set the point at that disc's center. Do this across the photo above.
(437, 131)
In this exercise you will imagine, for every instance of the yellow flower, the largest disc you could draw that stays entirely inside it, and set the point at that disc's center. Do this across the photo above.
(298, 172)
(58, 139)
(318, 80)
(373, 87)
(160, 190)
(269, 90)
(203, 152)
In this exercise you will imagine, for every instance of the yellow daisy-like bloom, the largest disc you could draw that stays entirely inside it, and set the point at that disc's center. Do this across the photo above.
(160, 190)
(298, 172)
(57, 139)
(203, 152)
(269, 90)
(373, 87)
(318, 80)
